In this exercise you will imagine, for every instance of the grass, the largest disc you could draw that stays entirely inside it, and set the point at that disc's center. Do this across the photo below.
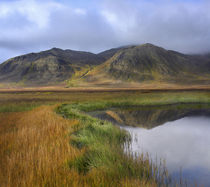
(23, 101)
(104, 144)
(40, 148)
(148, 99)
(35, 149)
(18, 107)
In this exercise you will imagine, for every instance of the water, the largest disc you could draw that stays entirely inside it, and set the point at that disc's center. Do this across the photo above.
(184, 144)
(178, 134)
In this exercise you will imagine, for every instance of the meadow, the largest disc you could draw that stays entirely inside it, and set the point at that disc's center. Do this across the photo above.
(46, 139)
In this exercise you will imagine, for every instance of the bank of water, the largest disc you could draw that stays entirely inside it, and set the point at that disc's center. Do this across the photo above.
(178, 134)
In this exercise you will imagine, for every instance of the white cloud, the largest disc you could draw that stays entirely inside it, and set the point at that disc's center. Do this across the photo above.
(182, 26)
(4, 10)
(33, 25)
(80, 11)
(34, 11)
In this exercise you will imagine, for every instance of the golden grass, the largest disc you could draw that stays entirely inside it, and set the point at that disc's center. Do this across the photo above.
(35, 147)
(35, 150)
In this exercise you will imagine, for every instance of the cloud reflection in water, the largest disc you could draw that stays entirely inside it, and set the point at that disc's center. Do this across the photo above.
(184, 143)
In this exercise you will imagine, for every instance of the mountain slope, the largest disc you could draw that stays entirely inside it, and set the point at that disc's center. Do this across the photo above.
(111, 52)
(151, 63)
(143, 64)
(46, 67)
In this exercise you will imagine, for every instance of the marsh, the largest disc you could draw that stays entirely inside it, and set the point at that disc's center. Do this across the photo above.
(177, 135)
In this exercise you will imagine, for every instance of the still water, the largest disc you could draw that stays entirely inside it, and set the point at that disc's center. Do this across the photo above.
(178, 134)
(184, 144)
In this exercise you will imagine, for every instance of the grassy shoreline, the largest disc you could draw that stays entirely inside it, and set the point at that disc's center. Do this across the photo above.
(151, 100)
(92, 150)
(105, 153)
(92, 132)
(17, 102)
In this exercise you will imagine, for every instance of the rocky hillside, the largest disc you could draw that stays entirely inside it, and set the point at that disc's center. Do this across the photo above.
(52, 66)
(151, 63)
(143, 63)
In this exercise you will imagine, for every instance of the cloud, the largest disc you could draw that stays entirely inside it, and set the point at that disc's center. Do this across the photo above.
(171, 24)
(80, 11)
(33, 11)
(34, 25)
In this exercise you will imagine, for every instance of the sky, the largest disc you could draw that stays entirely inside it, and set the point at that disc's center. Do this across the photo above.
(96, 25)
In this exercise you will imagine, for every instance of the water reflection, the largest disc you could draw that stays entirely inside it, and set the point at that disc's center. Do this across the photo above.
(150, 117)
(180, 134)
(184, 143)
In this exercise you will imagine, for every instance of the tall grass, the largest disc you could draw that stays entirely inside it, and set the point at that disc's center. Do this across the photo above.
(104, 142)
(35, 149)
(40, 148)
(105, 152)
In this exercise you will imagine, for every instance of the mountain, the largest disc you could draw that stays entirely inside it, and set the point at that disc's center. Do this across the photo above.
(125, 65)
(51, 66)
(110, 53)
(151, 63)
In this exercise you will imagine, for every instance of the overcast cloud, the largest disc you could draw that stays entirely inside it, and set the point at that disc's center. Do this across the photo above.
(34, 25)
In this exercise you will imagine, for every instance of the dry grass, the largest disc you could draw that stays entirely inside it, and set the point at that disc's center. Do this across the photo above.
(110, 86)
(35, 147)
(35, 150)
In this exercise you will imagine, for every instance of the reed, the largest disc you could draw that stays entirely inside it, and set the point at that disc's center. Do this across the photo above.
(40, 148)
(35, 149)
(105, 152)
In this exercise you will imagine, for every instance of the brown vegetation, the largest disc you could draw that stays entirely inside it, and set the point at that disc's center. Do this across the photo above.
(35, 147)
(131, 86)
(35, 150)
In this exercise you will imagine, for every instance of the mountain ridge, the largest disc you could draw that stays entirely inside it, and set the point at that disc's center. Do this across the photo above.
(146, 63)
(135, 63)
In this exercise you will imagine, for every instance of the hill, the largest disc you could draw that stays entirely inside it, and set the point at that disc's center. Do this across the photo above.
(47, 67)
(145, 63)
(149, 63)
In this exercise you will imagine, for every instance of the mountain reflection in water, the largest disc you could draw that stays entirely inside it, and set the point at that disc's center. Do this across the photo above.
(178, 134)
